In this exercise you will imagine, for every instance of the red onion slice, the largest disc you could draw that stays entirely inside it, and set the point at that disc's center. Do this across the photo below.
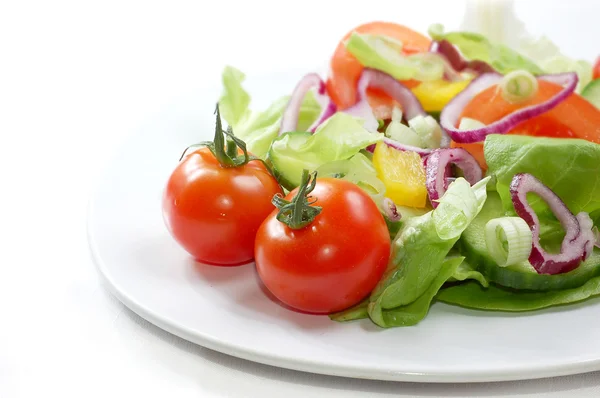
(451, 113)
(371, 78)
(289, 121)
(456, 62)
(578, 242)
(438, 170)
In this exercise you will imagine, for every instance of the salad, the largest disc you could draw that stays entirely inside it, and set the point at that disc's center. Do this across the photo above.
(443, 167)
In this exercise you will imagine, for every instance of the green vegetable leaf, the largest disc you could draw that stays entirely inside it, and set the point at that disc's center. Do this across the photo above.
(340, 137)
(473, 295)
(465, 272)
(421, 248)
(413, 313)
(382, 53)
(475, 46)
(359, 311)
(258, 129)
(570, 167)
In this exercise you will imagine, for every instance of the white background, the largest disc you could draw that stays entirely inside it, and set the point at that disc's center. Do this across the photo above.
(75, 79)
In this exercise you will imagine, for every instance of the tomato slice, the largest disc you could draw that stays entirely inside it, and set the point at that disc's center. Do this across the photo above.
(597, 69)
(573, 118)
(345, 69)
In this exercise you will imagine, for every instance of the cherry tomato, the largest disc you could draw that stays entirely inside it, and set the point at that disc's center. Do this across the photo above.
(573, 118)
(332, 263)
(213, 211)
(345, 69)
(597, 69)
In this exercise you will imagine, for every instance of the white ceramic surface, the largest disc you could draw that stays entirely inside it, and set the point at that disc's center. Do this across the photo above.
(224, 308)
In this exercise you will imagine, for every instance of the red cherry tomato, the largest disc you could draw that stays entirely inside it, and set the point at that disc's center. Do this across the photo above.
(214, 211)
(332, 263)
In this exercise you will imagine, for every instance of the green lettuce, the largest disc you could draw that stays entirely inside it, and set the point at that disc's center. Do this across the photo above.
(570, 167)
(418, 267)
(340, 137)
(382, 53)
(465, 271)
(475, 46)
(258, 129)
(472, 295)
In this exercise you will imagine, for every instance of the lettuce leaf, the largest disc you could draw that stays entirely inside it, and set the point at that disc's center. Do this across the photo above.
(258, 129)
(418, 265)
(497, 21)
(465, 271)
(475, 46)
(473, 295)
(340, 137)
(570, 167)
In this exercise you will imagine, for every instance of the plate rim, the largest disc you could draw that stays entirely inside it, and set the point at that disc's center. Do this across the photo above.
(367, 372)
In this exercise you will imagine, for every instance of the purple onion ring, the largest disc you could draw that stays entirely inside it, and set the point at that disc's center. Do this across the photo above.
(291, 114)
(451, 113)
(578, 242)
(456, 62)
(438, 170)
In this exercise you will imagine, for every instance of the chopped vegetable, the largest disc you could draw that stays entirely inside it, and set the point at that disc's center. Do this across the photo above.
(418, 267)
(521, 276)
(475, 46)
(346, 69)
(402, 174)
(291, 114)
(438, 167)
(495, 298)
(371, 78)
(569, 166)
(434, 95)
(508, 240)
(518, 86)
(339, 137)
(259, 129)
(453, 112)
(579, 239)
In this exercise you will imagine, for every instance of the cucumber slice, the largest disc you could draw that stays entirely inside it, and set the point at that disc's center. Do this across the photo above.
(591, 92)
(520, 276)
(288, 169)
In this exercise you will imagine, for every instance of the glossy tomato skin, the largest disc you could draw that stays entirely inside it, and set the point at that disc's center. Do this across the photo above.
(597, 69)
(214, 212)
(334, 262)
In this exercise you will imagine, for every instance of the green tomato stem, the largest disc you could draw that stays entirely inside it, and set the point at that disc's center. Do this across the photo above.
(299, 212)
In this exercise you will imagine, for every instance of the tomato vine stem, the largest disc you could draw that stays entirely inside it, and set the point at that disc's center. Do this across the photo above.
(299, 212)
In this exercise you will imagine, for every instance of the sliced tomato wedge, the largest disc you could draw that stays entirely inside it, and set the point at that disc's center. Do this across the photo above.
(597, 69)
(345, 70)
(573, 118)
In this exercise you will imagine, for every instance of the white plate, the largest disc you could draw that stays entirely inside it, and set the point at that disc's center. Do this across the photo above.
(224, 308)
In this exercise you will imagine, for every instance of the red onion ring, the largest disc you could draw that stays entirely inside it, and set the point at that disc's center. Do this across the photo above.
(456, 62)
(372, 78)
(450, 115)
(289, 120)
(438, 170)
(578, 242)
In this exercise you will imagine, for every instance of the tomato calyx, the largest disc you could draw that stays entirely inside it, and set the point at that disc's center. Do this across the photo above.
(225, 146)
(299, 212)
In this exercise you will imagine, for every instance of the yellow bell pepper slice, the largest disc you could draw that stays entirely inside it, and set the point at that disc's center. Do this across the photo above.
(435, 94)
(402, 174)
